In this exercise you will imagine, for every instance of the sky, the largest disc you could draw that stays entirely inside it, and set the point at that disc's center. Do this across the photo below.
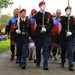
(51, 6)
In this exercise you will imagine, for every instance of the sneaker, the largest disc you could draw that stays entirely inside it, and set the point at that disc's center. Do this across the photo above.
(34, 60)
(37, 65)
(23, 66)
(30, 58)
(12, 57)
(71, 68)
(62, 65)
(46, 68)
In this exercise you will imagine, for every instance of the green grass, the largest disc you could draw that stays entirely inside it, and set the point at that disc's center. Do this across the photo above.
(4, 46)
(3, 30)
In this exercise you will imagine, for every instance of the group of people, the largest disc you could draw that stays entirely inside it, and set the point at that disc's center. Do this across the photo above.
(41, 30)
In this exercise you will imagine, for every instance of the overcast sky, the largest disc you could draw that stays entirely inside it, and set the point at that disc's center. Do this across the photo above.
(51, 5)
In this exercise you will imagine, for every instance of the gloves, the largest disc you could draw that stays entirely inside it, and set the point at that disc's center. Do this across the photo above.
(43, 7)
(18, 31)
(31, 45)
(43, 29)
(69, 33)
(68, 11)
(29, 38)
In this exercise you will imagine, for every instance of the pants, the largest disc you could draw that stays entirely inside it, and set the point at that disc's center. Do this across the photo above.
(67, 46)
(22, 52)
(12, 43)
(44, 44)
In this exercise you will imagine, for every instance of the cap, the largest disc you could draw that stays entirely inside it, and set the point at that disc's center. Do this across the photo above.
(22, 10)
(33, 11)
(41, 3)
(68, 7)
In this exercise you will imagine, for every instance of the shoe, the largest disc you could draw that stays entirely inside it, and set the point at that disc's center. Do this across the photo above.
(37, 65)
(55, 59)
(12, 57)
(19, 64)
(62, 65)
(34, 60)
(30, 58)
(60, 61)
(46, 68)
(17, 61)
(71, 68)
(23, 66)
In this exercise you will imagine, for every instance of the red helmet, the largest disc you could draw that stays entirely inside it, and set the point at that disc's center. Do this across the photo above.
(33, 11)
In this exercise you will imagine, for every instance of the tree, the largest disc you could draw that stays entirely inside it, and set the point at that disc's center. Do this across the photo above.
(4, 19)
(5, 3)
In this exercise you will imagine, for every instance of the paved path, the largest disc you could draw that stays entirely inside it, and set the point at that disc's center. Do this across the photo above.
(8, 67)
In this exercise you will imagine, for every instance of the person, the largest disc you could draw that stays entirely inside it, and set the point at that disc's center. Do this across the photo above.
(31, 42)
(22, 31)
(10, 30)
(66, 38)
(55, 33)
(42, 35)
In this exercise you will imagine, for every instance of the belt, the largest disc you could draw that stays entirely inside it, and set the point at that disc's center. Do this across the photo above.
(24, 33)
(41, 25)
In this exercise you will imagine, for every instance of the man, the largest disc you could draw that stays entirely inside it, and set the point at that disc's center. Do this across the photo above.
(33, 27)
(10, 30)
(67, 38)
(42, 35)
(22, 37)
(55, 33)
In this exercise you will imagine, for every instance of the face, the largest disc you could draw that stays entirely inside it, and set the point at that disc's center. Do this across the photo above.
(23, 14)
(42, 7)
(58, 13)
(16, 12)
(53, 15)
(68, 11)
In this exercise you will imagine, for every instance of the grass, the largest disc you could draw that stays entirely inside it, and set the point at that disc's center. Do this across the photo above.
(3, 30)
(4, 45)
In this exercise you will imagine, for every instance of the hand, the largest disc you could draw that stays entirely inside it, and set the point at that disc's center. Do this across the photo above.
(43, 29)
(68, 33)
(18, 31)
(6, 36)
(29, 38)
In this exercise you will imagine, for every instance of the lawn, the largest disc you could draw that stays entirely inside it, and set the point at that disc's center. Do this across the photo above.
(4, 46)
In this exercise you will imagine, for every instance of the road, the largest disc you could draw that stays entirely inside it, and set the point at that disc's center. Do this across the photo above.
(8, 67)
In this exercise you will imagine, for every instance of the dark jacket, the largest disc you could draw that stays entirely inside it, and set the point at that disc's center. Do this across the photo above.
(48, 22)
(64, 22)
(25, 31)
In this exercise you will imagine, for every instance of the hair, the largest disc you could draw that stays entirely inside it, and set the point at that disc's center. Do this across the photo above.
(58, 10)
(15, 9)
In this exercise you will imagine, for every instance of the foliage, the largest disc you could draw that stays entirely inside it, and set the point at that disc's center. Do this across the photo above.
(4, 19)
(5, 3)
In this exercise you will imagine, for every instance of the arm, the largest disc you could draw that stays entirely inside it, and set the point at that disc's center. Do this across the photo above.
(7, 28)
(50, 23)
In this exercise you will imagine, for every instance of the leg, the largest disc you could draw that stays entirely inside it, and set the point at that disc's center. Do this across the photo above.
(46, 52)
(70, 55)
(12, 48)
(54, 53)
(63, 46)
(24, 56)
(19, 52)
(38, 43)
